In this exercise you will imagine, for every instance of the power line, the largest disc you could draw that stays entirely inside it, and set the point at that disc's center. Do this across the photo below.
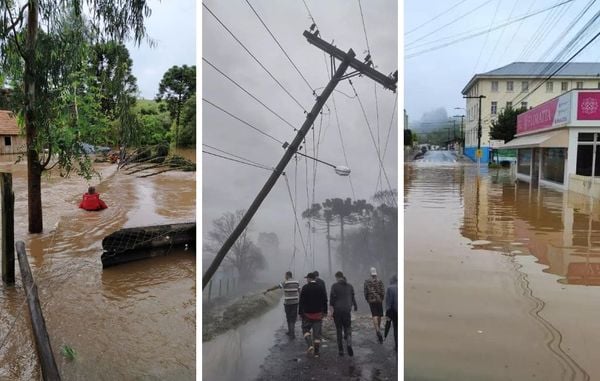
(281, 47)
(437, 47)
(295, 215)
(459, 18)
(236, 156)
(387, 139)
(486, 37)
(372, 137)
(342, 141)
(237, 161)
(247, 92)
(255, 59)
(241, 120)
(434, 17)
(364, 27)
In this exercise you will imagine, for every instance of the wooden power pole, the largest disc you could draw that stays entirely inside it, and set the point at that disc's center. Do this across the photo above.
(347, 60)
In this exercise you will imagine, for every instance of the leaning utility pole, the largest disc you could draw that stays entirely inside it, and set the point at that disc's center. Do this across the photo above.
(347, 60)
(478, 153)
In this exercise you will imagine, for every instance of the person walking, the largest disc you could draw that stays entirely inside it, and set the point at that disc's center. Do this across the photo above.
(312, 308)
(291, 291)
(342, 299)
(391, 307)
(374, 293)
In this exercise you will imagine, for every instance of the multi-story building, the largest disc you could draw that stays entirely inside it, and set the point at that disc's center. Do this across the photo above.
(519, 84)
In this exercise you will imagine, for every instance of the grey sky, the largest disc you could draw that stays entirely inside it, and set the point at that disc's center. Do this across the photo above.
(172, 26)
(228, 186)
(435, 79)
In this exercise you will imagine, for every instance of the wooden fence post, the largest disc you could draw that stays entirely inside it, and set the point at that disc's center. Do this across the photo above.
(40, 333)
(8, 228)
(220, 281)
(227, 286)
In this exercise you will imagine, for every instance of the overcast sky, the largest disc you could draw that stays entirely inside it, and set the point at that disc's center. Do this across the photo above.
(228, 186)
(436, 78)
(172, 26)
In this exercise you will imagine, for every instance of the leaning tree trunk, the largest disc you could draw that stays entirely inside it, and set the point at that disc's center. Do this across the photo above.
(34, 170)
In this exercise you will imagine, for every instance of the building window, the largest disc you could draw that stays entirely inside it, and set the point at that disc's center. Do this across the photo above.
(549, 87)
(7, 141)
(524, 86)
(553, 164)
(524, 161)
(564, 86)
(508, 105)
(494, 110)
(495, 86)
(509, 86)
(588, 161)
(579, 85)
(524, 105)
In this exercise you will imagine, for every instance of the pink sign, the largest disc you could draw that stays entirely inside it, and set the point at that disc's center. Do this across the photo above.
(537, 118)
(588, 106)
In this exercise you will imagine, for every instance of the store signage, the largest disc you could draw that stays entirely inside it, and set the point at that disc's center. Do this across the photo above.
(549, 114)
(588, 105)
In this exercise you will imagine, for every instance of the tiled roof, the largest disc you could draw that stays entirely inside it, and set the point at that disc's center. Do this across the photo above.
(8, 124)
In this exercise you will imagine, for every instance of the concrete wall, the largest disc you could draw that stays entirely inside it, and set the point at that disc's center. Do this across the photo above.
(483, 86)
(585, 185)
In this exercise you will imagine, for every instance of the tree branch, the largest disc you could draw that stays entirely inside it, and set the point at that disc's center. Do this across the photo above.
(12, 27)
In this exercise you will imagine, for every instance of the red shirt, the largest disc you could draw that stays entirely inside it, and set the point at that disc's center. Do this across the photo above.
(92, 202)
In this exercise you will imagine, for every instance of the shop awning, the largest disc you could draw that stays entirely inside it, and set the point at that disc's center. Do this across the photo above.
(550, 139)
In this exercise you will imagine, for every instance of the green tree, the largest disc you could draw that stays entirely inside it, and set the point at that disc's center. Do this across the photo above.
(34, 37)
(154, 123)
(187, 137)
(505, 127)
(176, 87)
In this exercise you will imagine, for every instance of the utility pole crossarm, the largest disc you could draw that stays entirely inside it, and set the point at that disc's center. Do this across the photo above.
(363, 68)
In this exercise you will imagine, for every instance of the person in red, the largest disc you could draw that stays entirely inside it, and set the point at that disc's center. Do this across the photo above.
(91, 200)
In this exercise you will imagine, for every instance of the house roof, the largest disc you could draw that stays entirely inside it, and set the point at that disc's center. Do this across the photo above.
(8, 124)
(540, 70)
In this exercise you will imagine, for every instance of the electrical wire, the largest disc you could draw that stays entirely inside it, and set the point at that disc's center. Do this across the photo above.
(236, 156)
(362, 16)
(486, 37)
(473, 35)
(434, 17)
(281, 47)
(295, 215)
(255, 59)
(372, 138)
(247, 92)
(342, 142)
(238, 161)
(243, 121)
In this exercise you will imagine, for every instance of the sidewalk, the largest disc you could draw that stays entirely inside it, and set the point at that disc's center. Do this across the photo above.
(288, 360)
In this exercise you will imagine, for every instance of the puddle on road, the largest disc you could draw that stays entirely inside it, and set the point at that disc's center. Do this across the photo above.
(237, 354)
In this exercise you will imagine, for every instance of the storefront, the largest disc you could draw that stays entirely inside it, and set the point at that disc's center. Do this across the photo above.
(557, 143)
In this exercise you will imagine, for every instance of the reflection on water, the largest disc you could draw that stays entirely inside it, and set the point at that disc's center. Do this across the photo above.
(135, 321)
(562, 230)
(236, 354)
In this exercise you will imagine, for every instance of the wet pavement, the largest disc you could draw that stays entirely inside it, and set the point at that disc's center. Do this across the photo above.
(508, 290)
(130, 322)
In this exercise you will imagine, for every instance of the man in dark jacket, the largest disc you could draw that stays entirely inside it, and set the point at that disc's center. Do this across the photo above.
(391, 306)
(312, 308)
(342, 299)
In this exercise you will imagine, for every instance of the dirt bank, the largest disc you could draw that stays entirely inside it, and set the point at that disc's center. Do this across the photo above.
(238, 311)
(287, 360)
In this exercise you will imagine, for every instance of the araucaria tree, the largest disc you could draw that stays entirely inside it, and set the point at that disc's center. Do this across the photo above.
(44, 46)
(177, 86)
(244, 256)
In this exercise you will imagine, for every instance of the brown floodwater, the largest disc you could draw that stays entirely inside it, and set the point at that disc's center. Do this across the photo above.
(135, 321)
(501, 278)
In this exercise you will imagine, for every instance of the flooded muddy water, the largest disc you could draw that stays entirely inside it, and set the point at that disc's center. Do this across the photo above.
(509, 287)
(237, 354)
(130, 322)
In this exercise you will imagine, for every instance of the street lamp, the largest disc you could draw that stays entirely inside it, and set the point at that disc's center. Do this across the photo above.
(339, 169)
(462, 132)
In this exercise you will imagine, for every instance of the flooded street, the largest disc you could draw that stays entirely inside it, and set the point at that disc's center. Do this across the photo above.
(509, 288)
(133, 321)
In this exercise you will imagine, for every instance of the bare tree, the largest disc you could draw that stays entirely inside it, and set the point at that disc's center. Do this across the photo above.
(244, 255)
